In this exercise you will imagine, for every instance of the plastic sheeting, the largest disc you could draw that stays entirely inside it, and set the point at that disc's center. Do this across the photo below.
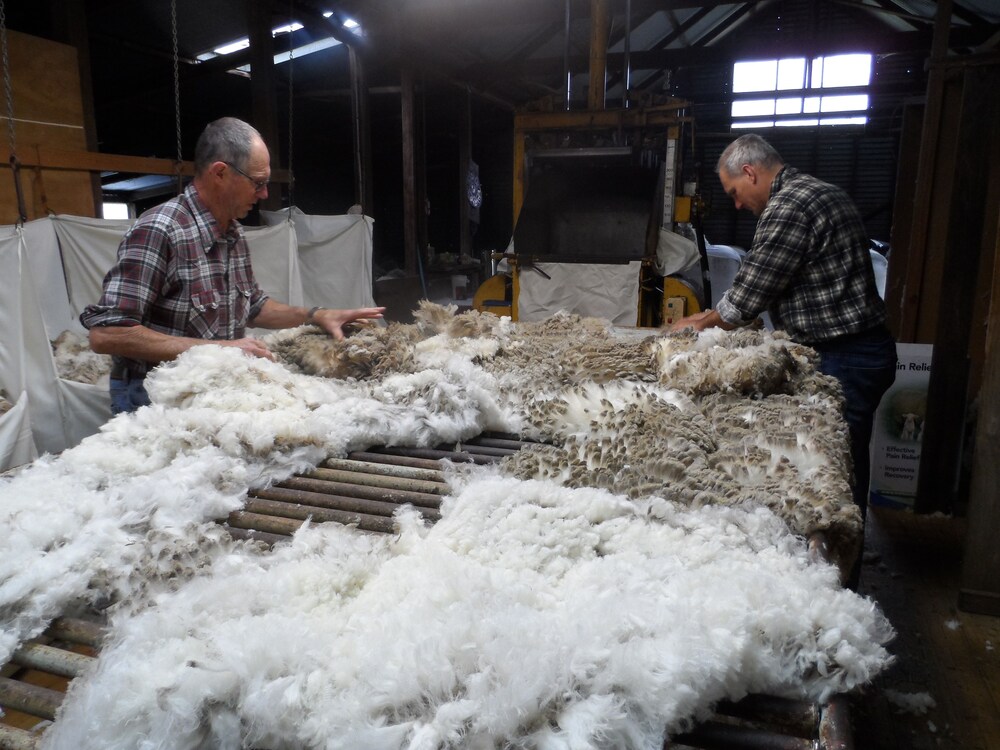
(89, 249)
(674, 252)
(880, 265)
(334, 258)
(50, 269)
(598, 290)
(17, 445)
(723, 264)
(34, 311)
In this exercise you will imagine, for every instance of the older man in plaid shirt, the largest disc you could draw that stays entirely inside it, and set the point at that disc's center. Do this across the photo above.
(183, 275)
(810, 268)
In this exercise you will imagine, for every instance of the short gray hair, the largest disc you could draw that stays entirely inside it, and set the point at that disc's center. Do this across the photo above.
(226, 139)
(748, 149)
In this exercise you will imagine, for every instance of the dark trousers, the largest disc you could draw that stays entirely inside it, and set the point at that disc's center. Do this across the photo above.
(865, 365)
(128, 394)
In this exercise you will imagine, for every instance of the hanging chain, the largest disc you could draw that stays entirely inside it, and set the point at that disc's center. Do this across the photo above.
(177, 92)
(8, 91)
(15, 165)
(291, 102)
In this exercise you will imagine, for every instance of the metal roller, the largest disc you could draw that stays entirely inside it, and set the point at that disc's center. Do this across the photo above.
(396, 460)
(497, 442)
(74, 630)
(342, 489)
(287, 511)
(474, 449)
(385, 469)
(714, 735)
(52, 660)
(242, 519)
(835, 725)
(258, 536)
(322, 500)
(375, 480)
(436, 453)
(29, 699)
(12, 738)
(800, 717)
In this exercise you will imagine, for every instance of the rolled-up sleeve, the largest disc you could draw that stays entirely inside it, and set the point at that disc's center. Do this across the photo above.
(132, 284)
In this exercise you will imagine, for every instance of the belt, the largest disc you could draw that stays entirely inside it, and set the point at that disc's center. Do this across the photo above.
(120, 370)
(875, 333)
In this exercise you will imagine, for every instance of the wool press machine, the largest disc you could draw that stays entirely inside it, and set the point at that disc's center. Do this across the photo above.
(597, 189)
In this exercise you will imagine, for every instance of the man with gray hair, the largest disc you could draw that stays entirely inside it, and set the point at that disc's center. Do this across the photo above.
(183, 275)
(810, 268)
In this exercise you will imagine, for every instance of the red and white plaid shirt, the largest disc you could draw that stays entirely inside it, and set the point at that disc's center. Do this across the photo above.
(177, 273)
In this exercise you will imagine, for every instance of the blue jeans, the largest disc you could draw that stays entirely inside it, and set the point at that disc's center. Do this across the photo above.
(128, 395)
(865, 365)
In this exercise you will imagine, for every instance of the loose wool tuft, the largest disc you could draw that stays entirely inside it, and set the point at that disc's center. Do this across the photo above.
(5, 405)
(597, 590)
(75, 360)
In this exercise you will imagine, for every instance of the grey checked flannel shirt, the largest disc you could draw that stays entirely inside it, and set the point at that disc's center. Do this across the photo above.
(809, 265)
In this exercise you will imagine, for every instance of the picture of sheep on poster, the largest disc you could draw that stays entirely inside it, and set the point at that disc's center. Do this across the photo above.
(906, 414)
(606, 586)
(899, 428)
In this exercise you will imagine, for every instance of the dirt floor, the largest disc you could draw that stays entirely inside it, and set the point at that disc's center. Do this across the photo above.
(944, 689)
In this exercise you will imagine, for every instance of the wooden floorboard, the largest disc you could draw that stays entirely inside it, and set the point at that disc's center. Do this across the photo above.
(913, 570)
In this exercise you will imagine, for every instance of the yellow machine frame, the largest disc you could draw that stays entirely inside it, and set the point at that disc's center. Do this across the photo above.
(499, 294)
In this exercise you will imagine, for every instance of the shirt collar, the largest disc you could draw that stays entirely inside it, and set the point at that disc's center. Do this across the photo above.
(779, 179)
(208, 227)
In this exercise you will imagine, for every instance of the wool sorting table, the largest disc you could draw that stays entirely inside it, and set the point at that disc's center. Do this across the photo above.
(364, 490)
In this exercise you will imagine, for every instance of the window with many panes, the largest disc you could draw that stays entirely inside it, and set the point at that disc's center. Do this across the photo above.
(801, 91)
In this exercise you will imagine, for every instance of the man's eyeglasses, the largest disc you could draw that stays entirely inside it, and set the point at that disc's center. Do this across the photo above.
(258, 185)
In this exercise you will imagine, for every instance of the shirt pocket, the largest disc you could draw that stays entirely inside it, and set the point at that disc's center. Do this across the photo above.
(204, 316)
(243, 288)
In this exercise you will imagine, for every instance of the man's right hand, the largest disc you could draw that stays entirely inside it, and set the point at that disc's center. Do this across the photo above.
(252, 346)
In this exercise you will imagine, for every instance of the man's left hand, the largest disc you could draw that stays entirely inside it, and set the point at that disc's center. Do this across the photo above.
(333, 321)
(698, 321)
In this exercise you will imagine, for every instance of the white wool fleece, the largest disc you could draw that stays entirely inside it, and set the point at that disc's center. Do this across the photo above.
(101, 521)
(531, 616)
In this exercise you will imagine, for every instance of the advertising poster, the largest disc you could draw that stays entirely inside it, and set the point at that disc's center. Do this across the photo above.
(899, 428)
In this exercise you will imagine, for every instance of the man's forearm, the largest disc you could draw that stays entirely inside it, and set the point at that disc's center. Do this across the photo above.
(139, 342)
(279, 315)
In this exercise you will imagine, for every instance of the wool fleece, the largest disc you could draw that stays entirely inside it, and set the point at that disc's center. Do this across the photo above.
(531, 615)
(604, 589)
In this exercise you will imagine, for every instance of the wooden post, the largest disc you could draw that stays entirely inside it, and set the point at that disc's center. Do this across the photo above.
(914, 325)
(519, 171)
(598, 54)
(947, 391)
(902, 222)
(980, 590)
(263, 98)
(420, 165)
(72, 25)
(410, 249)
(464, 156)
(364, 191)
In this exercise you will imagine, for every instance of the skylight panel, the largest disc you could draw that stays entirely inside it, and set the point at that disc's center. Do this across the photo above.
(801, 75)
(306, 49)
